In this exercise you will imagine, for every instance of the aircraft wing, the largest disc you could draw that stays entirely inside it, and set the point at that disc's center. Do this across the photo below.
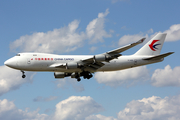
(95, 62)
(124, 48)
(113, 53)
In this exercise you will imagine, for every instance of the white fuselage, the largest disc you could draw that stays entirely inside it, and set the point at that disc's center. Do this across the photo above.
(43, 62)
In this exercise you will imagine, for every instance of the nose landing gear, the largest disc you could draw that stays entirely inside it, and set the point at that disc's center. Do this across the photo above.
(23, 75)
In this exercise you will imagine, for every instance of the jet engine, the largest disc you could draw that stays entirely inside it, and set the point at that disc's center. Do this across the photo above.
(105, 57)
(71, 65)
(102, 57)
(61, 74)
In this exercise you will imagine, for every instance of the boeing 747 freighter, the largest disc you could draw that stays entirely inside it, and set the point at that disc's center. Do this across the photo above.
(77, 66)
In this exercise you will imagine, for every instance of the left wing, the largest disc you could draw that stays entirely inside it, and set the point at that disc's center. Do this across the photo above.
(95, 62)
(112, 54)
(124, 48)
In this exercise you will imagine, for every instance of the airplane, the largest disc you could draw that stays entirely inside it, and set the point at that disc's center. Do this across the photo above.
(77, 66)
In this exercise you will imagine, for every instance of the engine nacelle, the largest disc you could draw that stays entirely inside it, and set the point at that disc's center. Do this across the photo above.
(102, 57)
(74, 75)
(61, 74)
(71, 65)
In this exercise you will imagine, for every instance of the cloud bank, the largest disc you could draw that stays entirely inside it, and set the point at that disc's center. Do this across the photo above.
(126, 77)
(65, 39)
(173, 34)
(76, 108)
(152, 108)
(85, 108)
(11, 79)
(166, 77)
(8, 111)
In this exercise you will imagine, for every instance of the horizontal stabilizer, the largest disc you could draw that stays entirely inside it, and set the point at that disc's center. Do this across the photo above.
(158, 57)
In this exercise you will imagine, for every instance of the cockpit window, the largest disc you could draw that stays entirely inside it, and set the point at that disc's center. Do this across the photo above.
(17, 54)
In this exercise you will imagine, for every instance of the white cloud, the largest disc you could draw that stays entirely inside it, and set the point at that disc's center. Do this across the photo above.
(85, 108)
(60, 40)
(11, 79)
(41, 99)
(173, 34)
(92, 49)
(95, 29)
(99, 117)
(69, 82)
(166, 77)
(152, 108)
(123, 77)
(64, 39)
(76, 108)
(8, 111)
(125, 28)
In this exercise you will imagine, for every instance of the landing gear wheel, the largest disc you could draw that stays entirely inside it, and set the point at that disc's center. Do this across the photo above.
(78, 79)
(23, 76)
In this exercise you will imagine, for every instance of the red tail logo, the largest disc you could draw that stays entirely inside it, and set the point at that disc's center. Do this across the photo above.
(152, 46)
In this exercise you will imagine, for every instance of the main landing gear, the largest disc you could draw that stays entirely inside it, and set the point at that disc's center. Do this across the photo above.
(85, 74)
(23, 75)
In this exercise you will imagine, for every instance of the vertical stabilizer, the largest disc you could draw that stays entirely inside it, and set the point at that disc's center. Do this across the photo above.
(154, 46)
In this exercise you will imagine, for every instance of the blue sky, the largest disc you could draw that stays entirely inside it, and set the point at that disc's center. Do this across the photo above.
(89, 27)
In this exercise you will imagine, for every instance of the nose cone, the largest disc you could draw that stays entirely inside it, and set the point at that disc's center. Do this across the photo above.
(10, 63)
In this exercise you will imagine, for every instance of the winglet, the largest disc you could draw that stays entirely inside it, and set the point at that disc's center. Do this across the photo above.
(141, 40)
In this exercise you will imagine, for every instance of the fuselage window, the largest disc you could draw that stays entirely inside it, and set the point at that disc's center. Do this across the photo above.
(17, 54)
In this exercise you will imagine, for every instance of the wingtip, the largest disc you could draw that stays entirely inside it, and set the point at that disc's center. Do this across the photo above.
(141, 40)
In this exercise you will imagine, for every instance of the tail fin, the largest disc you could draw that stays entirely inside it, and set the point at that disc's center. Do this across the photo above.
(154, 46)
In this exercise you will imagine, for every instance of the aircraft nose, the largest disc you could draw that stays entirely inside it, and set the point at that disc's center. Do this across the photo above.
(10, 63)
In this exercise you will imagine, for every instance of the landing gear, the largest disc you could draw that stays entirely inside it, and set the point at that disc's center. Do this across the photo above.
(23, 75)
(86, 75)
(78, 79)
